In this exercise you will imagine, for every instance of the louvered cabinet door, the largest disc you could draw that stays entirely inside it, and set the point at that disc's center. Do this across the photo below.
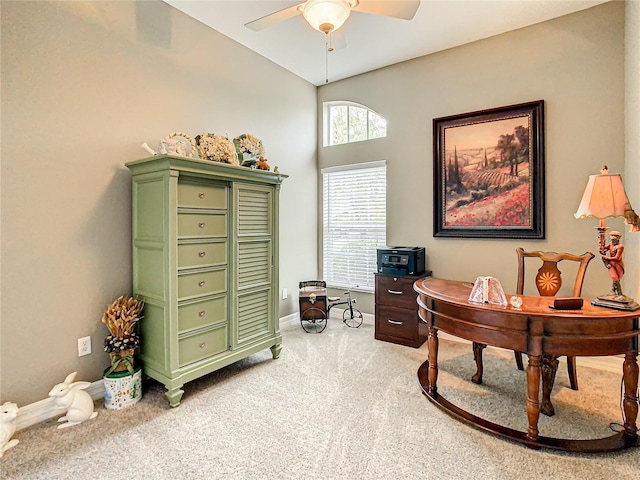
(205, 262)
(253, 250)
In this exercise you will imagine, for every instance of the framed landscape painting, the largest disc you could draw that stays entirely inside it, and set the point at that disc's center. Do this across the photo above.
(489, 173)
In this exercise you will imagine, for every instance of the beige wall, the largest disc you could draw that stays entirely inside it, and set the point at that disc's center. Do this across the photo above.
(574, 63)
(632, 151)
(83, 85)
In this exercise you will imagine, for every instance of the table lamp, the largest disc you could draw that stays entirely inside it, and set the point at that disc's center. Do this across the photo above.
(605, 197)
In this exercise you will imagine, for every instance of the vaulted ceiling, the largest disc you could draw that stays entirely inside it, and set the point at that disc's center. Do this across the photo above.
(372, 41)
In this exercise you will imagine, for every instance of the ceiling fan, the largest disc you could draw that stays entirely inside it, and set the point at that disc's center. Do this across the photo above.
(327, 16)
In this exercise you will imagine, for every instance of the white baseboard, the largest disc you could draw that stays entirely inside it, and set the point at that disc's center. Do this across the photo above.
(291, 318)
(45, 409)
(335, 313)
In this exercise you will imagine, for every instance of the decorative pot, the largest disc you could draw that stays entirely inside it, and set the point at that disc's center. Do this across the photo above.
(121, 361)
(247, 158)
(121, 389)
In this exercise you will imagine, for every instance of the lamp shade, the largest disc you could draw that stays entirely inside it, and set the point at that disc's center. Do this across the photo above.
(326, 15)
(604, 197)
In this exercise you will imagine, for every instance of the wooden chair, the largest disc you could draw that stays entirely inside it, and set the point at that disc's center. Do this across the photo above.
(548, 282)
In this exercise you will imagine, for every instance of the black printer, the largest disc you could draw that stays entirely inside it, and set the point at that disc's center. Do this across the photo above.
(401, 261)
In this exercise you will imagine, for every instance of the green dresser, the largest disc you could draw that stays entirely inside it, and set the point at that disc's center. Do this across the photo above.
(205, 261)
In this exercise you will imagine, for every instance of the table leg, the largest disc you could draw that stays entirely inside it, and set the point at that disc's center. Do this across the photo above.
(549, 369)
(630, 402)
(432, 343)
(533, 390)
(477, 356)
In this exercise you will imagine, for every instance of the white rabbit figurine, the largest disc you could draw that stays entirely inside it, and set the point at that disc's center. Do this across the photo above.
(8, 413)
(75, 400)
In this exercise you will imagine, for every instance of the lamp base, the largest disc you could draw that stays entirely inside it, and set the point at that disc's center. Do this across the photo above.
(618, 302)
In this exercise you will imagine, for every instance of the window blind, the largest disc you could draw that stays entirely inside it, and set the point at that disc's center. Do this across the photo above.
(354, 223)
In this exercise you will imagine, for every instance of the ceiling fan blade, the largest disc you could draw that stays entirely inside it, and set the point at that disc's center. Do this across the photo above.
(273, 18)
(338, 41)
(404, 9)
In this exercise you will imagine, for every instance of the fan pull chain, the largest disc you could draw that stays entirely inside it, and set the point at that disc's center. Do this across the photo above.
(326, 57)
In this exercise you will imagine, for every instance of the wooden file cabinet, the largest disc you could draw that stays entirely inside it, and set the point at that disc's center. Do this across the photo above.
(397, 318)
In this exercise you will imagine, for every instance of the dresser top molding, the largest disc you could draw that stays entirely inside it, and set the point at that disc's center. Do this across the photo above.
(178, 163)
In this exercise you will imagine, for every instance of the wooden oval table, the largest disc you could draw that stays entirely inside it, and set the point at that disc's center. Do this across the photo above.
(536, 330)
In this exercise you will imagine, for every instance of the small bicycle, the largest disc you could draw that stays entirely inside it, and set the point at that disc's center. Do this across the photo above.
(351, 316)
(315, 307)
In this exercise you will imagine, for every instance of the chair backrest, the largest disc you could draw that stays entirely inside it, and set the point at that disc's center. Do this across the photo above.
(313, 283)
(549, 279)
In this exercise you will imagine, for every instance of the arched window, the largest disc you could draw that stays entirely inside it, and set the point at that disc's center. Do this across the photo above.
(347, 122)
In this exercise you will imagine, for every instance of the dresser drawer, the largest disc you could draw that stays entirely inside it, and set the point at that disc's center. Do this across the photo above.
(200, 314)
(202, 283)
(192, 348)
(396, 291)
(396, 322)
(199, 195)
(202, 254)
(194, 225)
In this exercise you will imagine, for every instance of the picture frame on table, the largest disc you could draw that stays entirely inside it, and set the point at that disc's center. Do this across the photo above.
(489, 173)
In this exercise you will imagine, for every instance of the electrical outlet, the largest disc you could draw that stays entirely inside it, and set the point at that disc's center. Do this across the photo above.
(284, 294)
(84, 346)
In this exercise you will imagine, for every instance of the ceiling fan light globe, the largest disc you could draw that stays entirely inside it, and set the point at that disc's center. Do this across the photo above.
(326, 15)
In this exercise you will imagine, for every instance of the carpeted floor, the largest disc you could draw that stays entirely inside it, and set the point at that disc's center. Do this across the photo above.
(335, 405)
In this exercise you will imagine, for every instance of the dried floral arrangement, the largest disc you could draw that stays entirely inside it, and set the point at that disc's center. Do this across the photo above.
(120, 318)
(247, 143)
(216, 148)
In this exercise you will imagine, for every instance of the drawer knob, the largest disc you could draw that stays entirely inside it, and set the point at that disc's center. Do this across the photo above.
(201, 224)
(203, 344)
(201, 254)
(394, 292)
(201, 313)
(201, 195)
(394, 322)
(201, 283)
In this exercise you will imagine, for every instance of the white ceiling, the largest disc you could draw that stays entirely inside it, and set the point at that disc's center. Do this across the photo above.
(371, 41)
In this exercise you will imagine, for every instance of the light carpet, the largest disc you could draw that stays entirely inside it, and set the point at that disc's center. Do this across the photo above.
(335, 405)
